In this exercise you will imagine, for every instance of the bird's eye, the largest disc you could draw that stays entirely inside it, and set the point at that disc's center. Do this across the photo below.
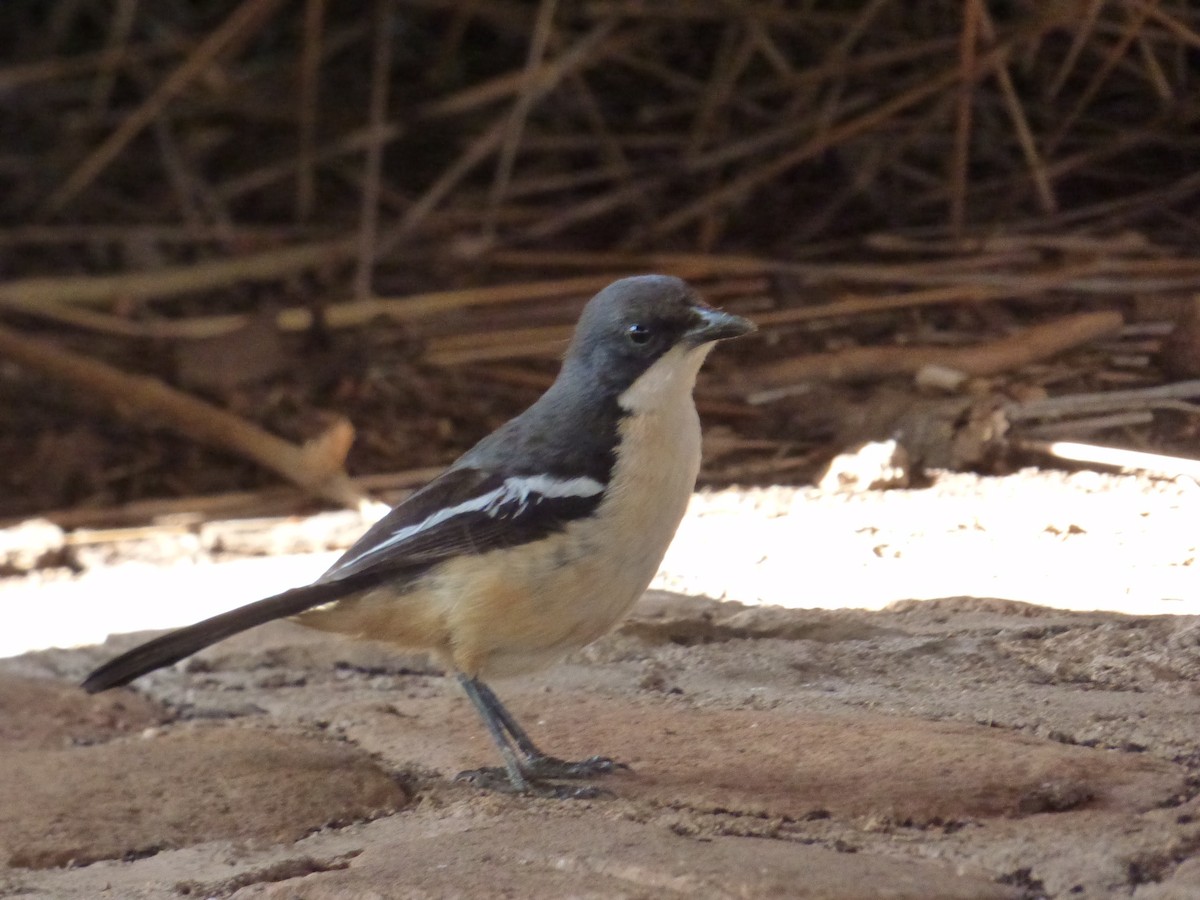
(638, 333)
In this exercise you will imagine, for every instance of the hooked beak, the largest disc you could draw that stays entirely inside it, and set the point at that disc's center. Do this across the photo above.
(715, 325)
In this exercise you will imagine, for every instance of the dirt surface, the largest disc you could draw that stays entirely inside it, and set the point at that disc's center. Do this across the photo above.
(929, 744)
(953, 748)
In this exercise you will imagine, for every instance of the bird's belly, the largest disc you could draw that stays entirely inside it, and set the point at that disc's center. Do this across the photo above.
(560, 594)
(510, 611)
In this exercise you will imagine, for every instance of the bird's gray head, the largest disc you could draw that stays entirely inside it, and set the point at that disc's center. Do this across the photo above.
(633, 322)
(635, 327)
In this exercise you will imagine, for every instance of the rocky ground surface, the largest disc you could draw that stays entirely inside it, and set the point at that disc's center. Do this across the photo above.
(954, 747)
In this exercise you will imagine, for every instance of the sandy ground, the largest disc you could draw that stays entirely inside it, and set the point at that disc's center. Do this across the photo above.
(943, 740)
(1082, 541)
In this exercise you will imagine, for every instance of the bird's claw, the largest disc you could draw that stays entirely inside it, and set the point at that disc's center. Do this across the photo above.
(553, 767)
(539, 773)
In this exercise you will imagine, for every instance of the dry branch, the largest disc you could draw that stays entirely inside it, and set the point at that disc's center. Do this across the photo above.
(1075, 428)
(242, 22)
(1019, 119)
(347, 314)
(368, 229)
(776, 90)
(1165, 395)
(1135, 460)
(499, 141)
(880, 115)
(307, 102)
(543, 25)
(187, 511)
(30, 294)
(593, 46)
(990, 358)
(316, 467)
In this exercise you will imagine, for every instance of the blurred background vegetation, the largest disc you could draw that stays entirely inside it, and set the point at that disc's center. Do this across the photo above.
(286, 205)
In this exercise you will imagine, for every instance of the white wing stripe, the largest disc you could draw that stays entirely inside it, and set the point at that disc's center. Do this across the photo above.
(522, 489)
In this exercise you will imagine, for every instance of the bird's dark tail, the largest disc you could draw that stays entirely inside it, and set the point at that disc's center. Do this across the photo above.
(174, 646)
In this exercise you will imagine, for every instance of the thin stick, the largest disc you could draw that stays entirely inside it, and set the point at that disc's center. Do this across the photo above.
(631, 194)
(316, 467)
(741, 147)
(614, 156)
(732, 57)
(1178, 29)
(409, 308)
(493, 338)
(381, 67)
(988, 358)
(1020, 122)
(1105, 401)
(448, 53)
(180, 178)
(546, 348)
(1154, 71)
(590, 47)
(857, 306)
(839, 72)
(769, 50)
(267, 175)
(1136, 460)
(168, 234)
(515, 126)
(242, 22)
(1132, 29)
(741, 186)
(708, 125)
(536, 185)
(282, 500)
(308, 102)
(477, 151)
(114, 47)
(511, 83)
(1092, 424)
(12, 77)
(28, 294)
(1128, 243)
(962, 128)
(1083, 32)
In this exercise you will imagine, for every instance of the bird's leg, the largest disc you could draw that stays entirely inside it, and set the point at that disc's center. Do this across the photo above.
(523, 775)
(522, 739)
(495, 726)
(537, 764)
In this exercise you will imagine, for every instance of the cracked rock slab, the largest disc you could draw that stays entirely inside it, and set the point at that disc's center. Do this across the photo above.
(551, 854)
(41, 712)
(852, 764)
(136, 796)
(958, 747)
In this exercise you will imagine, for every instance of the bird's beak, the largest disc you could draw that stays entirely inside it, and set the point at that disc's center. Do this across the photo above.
(715, 325)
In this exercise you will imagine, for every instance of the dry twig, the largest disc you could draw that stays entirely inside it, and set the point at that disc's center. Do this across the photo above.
(244, 20)
(989, 358)
(316, 467)
(1133, 460)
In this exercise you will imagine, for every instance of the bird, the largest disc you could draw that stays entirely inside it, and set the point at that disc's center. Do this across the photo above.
(536, 541)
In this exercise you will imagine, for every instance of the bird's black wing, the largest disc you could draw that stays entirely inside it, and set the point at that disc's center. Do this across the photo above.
(467, 511)
(463, 511)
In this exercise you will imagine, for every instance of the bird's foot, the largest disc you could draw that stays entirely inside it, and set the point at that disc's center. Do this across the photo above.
(496, 778)
(537, 767)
